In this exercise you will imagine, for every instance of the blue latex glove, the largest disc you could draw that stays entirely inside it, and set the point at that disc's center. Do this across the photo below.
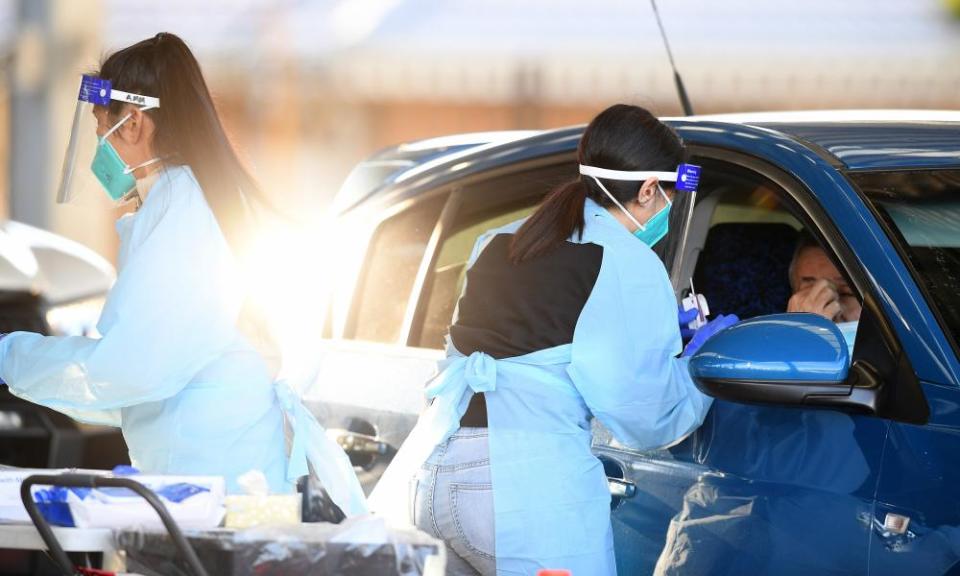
(685, 317)
(708, 330)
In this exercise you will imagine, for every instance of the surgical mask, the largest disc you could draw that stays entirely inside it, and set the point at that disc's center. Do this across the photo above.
(655, 228)
(849, 331)
(111, 171)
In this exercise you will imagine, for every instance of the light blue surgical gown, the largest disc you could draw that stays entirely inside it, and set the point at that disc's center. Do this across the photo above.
(190, 391)
(551, 499)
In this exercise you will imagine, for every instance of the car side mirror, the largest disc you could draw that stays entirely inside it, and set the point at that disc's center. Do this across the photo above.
(793, 359)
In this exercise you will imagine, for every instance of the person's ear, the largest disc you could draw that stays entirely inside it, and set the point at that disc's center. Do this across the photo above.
(132, 130)
(647, 190)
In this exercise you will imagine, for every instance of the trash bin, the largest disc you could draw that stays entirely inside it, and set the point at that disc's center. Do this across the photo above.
(361, 546)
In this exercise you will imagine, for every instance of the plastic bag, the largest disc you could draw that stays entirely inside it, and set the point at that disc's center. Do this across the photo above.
(360, 546)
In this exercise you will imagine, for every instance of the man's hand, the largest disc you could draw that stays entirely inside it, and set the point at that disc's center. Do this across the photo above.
(821, 298)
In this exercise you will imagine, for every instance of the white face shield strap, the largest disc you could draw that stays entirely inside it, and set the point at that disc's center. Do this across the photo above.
(686, 178)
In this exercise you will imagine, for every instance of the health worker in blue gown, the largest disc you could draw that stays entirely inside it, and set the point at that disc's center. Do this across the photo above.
(182, 366)
(566, 316)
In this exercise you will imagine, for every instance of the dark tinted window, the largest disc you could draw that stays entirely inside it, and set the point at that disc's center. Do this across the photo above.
(922, 208)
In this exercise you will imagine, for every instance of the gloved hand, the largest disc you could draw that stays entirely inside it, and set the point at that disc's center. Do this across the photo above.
(685, 317)
(708, 330)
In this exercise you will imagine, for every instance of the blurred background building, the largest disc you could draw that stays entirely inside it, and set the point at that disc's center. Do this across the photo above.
(310, 87)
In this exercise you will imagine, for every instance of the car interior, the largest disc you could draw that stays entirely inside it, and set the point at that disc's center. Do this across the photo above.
(743, 235)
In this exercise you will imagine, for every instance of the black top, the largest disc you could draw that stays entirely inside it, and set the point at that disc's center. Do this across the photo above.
(514, 309)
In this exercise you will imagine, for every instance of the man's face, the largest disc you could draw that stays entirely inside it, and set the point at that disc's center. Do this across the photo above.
(813, 264)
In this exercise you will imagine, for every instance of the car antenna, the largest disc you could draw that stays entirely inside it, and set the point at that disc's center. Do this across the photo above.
(681, 91)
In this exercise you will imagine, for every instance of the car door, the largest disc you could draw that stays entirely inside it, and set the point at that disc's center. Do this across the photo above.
(369, 391)
(756, 489)
(916, 524)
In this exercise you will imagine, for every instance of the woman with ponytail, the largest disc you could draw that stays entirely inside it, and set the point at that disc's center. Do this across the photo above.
(566, 316)
(182, 366)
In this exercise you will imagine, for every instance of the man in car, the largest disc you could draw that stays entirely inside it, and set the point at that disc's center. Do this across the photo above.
(818, 286)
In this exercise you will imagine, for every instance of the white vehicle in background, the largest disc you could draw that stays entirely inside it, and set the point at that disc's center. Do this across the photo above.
(51, 285)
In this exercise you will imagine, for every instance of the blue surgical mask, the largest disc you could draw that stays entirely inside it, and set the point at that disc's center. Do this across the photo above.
(849, 331)
(657, 226)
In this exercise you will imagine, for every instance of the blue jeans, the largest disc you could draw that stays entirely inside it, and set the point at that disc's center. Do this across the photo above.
(453, 501)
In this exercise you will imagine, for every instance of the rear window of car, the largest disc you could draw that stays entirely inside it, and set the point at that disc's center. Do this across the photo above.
(922, 208)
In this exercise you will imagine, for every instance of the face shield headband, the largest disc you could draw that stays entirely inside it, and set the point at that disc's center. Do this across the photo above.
(90, 162)
(685, 178)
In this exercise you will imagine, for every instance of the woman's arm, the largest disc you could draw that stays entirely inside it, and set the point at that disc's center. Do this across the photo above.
(172, 310)
(624, 357)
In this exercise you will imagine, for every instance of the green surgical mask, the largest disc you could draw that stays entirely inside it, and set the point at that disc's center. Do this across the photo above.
(113, 173)
(657, 226)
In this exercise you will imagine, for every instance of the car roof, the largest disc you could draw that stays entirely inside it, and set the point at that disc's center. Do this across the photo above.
(868, 139)
(851, 139)
(382, 167)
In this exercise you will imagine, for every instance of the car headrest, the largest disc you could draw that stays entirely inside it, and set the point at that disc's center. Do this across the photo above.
(743, 268)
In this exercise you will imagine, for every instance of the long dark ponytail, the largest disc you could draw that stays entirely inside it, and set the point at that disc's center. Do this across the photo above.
(622, 137)
(188, 128)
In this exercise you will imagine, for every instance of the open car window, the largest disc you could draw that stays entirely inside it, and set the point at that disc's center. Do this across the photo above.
(744, 234)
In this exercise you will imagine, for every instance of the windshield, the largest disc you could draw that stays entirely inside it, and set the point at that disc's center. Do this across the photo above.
(923, 208)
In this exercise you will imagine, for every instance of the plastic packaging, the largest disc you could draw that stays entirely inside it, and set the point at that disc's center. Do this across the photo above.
(11, 508)
(193, 501)
(360, 546)
(258, 507)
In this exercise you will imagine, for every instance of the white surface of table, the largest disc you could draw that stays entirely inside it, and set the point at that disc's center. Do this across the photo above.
(26, 537)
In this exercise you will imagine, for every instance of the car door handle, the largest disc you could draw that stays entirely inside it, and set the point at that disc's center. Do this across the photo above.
(361, 444)
(620, 488)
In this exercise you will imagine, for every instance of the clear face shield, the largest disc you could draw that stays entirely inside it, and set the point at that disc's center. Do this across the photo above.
(670, 246)
(93, 171)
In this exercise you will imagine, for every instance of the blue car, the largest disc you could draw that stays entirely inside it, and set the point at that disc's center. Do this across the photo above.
(822, 454)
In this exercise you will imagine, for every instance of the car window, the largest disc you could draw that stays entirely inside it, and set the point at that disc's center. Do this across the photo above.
(768, 260)
(923, 214)
(449, 271)
(743, 235)
(761, 254)
(394, 257)
(759, 205)
(481, 206)
(745, 238)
